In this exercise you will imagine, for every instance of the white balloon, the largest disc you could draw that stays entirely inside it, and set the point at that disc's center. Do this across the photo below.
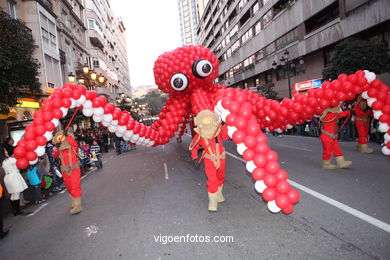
(129, 133)
(219, 113)
(121, 129)
(387, 137)
(260, 186)
(114, 122)
(224, 114)
(219, 106)
(48, 135)
(383, 127)
(377, 114)
(370, 101)
(140, 140)
(33, 162)
(40, 150)
(119, 134)
(81, 100)
(112, 128)
(250, 166)
(126, 138)
(289, 126)
(73, 105)
(87, 112)
(64, 111)
(106, 124)
(231, 130)
(370, 76)
(385, 150)
(87, 104)
(241, 148)
(55, 121)
(151, 143)
(99, 111)
(365, 95)
(107, 117)
(97, 118)
(134, 138)
(273, 207)
(279, 130)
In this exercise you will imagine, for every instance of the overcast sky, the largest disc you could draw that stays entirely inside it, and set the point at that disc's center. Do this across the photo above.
(152, 27)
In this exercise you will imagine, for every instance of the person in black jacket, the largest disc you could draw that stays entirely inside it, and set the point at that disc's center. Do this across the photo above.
(3, 196)
(9, 146)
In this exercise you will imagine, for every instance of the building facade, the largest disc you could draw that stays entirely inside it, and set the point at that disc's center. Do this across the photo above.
(190, 12)
(250, 37)
(70, 34)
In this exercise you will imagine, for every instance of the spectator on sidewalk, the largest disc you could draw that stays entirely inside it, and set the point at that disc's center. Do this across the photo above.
(118, 141)
(95, 151)
(105, 140)
(83, 158)
(3, 196)
(13, 181)
(9, 146)
(132, 146)
(35, 174)
(54, 167)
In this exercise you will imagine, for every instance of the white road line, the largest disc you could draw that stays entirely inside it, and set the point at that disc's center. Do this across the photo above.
(295, 147)
(37, 210)
(62, 191)
(373, 221)
(166, 171)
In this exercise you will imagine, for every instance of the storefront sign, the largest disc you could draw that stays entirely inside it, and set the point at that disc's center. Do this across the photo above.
(308, 84)
(28, 104)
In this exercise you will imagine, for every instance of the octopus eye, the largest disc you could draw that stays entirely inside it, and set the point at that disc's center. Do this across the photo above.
(179, 82)
(202, 68)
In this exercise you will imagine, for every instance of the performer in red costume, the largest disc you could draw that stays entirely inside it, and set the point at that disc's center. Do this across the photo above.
(209, 135)
(362, 121)
(70, 167)
(329, 138)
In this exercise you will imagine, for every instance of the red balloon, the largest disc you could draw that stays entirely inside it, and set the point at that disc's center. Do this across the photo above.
(22, 163)
(31, 156)
(38, 121)
(22, 143)
(323, 103)
(109, 108)
(66, 103)
(282, 201)
(293, 196)
(81, 88)
(41, 140)
(272, 167)
(67, 92)
(261, 148)
(281, 175)
(231, 119)
(76, 94)
(377, 105)
(56, 103)
(49, 126)
(245, 112)
(250, 141)
(260, 160)
(288, 210)
(248, 155)
(270, 180)
(19, 152)
(241, 97)
(261, 138)
(29, 135)
(241, 123)
(258, 174)
(269, 194)
(272, 156)
(238, 136)
(31, 145)
(39, 130)
(283, 187)
(57, 113)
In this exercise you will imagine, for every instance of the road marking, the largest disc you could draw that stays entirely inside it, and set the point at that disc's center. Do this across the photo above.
(37, 210)
(373, 221)
(62, 191)
(166, 171)
(294, 147)
(92, 229)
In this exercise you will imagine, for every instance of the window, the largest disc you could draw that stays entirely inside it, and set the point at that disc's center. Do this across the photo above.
(234, 31)
(268, 76)
(241, 4)
(246, 36)
(259, 55)
(255, 8)
(257, 28)
(12, 9)
(265, 2)
(53, 73)
(249, 61)
(235, 46)
(95, 62)
(269, 49)
(287, 39)
(267, 18)
(320, 19)
(91, 24)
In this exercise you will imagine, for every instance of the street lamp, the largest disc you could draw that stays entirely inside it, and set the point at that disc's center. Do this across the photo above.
(93, 75)
(101, 78)
(71, 77)
(287, 67)
(85, 68)
(81, 81)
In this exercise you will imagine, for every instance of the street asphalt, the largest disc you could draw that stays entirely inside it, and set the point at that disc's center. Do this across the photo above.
(151, 193)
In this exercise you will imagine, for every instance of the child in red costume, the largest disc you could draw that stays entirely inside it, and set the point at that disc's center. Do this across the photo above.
(209, 135)
(329, 138)
(362, 121)
(67, 149)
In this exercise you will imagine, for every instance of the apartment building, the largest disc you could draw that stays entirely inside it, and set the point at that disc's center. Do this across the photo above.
(190, 12)
(250, 37)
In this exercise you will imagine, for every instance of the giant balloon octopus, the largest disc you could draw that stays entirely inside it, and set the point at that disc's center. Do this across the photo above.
(187, 75)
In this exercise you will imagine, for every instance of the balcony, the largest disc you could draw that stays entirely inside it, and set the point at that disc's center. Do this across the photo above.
(96, 39)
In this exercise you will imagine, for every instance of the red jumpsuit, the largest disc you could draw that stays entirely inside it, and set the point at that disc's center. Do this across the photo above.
(71, 177)
(329, 135)
(362, 122)
(215, 176)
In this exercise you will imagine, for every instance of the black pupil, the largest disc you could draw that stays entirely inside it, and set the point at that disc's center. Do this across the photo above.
(178, 82)
(206, 68)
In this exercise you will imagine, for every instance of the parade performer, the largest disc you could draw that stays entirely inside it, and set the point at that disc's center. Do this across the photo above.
(329, 138)
(362, 121)
(209, 135)
(66, 151)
